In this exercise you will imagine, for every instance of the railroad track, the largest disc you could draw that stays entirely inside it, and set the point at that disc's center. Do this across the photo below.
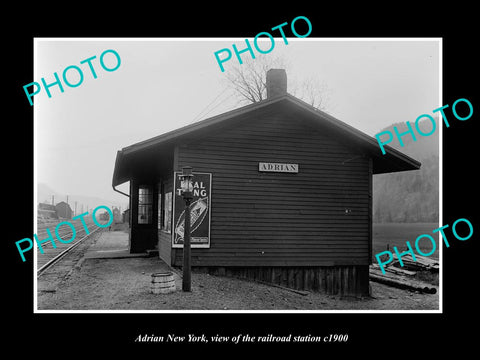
(52, 255)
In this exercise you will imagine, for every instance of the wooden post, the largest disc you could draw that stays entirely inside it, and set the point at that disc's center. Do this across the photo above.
(186, 280)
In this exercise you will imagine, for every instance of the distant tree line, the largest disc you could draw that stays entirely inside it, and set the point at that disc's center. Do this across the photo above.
(410, 196)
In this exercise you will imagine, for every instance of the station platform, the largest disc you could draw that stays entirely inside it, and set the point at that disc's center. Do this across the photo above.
(112, 245)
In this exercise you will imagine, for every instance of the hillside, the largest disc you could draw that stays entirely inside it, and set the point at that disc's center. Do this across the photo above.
(410, 196)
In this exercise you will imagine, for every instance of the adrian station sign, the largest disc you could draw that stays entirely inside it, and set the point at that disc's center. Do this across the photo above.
(278, 167)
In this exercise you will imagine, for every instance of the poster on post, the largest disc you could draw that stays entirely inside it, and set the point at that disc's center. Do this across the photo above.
(199, 208)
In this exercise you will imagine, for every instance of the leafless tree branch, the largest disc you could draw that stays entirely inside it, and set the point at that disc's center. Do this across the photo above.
(248, 81)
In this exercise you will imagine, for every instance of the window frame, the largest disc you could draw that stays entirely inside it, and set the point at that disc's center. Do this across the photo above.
(167, 214)
(145, 200)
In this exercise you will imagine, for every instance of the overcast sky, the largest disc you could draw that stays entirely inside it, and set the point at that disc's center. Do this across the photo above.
(163, 84)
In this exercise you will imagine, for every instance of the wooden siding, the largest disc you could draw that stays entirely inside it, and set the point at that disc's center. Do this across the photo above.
(318, 217)
(333, 280)
(164, 246)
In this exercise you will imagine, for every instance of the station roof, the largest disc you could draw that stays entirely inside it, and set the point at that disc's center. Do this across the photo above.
(392, 161)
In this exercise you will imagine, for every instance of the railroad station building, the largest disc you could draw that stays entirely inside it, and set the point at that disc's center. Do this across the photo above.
(283, 194)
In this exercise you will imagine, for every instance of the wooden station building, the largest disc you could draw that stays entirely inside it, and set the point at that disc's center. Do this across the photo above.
(283, 194)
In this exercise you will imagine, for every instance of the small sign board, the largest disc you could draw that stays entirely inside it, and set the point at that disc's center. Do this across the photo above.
(199, 212)
(278, 167)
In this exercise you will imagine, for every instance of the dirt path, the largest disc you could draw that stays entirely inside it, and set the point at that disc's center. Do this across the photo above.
(124, 284)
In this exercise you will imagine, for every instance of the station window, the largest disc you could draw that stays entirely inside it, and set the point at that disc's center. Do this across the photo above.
(145, 204)
(160, 209)
(167, 213)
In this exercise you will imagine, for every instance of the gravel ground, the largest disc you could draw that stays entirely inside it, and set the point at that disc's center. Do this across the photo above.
(124, 284)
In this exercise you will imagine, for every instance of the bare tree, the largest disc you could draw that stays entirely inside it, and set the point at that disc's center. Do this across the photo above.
(312, 91)
(248, 82)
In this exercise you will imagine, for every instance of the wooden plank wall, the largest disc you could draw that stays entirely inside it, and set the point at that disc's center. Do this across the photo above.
(334, 280)
(318, 217)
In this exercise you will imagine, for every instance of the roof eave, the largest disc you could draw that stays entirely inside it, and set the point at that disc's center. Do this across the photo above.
(396, 159)
(372, 144)
(117, 179)
(171, 135)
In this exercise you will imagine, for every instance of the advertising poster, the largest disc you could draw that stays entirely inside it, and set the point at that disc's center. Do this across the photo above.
(200, 212)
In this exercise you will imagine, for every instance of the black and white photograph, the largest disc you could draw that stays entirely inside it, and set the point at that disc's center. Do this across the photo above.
(291, 197)
(233, 179)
